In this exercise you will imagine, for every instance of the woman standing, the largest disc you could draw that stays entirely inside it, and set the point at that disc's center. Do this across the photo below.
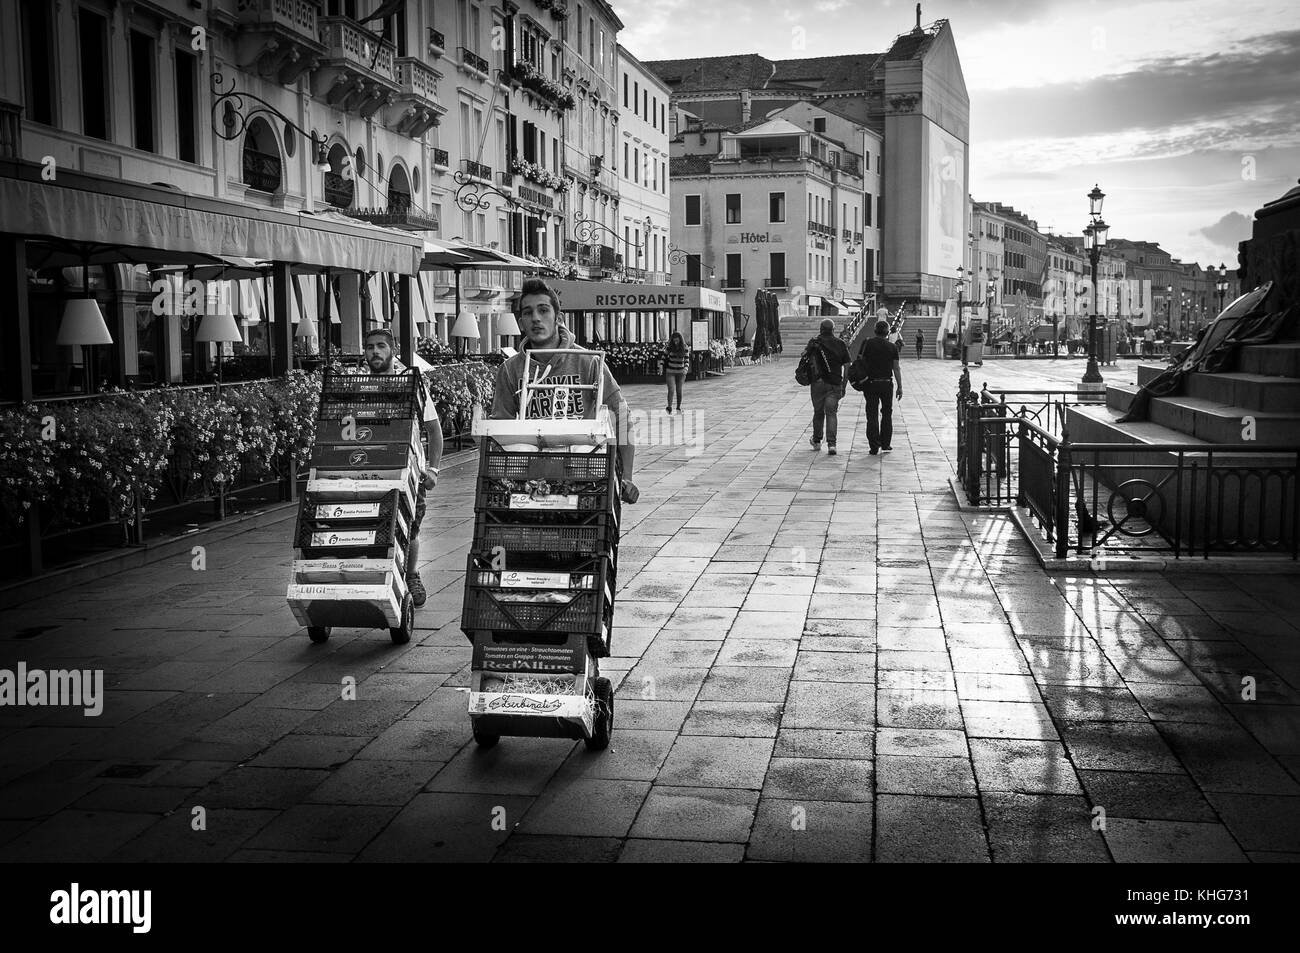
(677, 361)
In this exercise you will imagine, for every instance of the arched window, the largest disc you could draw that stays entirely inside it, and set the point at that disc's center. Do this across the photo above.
(399, 190)
(261, 157)
(340, 185)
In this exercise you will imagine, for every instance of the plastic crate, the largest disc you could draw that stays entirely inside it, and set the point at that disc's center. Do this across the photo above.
(354, 536)
(550, 465)
(364, 431)
(384, 397)
(595, 535)
(578, 603)
(348, 514)
(363, 456)
(542, 501)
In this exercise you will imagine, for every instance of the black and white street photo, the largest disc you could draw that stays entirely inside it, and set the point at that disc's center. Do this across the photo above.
(586, 431)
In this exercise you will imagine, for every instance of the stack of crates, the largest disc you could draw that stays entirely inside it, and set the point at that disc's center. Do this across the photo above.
(354, 521)
(540, 582)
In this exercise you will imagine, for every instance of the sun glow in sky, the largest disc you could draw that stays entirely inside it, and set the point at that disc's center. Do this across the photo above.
(1186, 112)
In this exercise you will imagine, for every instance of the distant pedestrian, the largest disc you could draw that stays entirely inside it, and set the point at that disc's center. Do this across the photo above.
(677, 360)
(829, 356)
(878, 368)
(920, 343)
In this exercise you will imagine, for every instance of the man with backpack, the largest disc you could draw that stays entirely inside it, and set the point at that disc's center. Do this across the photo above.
(874, 373)
(827, 355)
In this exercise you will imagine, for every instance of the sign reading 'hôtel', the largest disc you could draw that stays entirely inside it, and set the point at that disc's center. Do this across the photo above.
(753, 238)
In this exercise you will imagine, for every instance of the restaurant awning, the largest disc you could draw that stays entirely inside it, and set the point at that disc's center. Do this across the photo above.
(109, 213)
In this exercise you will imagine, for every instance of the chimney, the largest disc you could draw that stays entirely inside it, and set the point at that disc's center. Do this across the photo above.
(744, 105)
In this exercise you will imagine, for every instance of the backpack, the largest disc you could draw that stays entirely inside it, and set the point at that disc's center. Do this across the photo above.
(857, 374)
(809, 369)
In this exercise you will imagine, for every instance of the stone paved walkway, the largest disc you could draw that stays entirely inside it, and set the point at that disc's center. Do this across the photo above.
(816, 658)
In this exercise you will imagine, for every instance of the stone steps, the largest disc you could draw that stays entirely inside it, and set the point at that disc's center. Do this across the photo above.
(1279, 359)
(1209, 420)
(1230, 503)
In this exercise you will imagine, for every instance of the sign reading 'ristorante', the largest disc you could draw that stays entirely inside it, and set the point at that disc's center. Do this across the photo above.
(609, 296)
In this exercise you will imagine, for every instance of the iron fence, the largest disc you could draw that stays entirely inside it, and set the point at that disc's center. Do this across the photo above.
(1184, 499)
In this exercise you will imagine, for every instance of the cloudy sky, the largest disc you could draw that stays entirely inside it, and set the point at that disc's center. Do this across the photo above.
(1186, 112)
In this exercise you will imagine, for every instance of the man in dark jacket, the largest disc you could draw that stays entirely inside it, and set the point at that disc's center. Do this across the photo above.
(829, 356)
(878, 361)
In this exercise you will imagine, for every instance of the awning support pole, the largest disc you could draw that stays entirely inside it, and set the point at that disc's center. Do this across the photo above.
(15, 334)
(281, 335)
(405, 321)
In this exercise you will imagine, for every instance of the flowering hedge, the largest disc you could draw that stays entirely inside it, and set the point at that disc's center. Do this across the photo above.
(458, 388)
(125, 445)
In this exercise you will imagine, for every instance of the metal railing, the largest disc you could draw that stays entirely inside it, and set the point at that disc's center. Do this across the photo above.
(437, 42)
(1188, 499)
(474, 61)
(441, 158)
(476, 170)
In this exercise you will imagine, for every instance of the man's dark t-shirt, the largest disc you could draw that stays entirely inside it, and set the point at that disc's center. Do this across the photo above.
(836, 356)
(878, 356)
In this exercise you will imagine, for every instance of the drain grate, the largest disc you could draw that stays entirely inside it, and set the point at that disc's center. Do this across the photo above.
(127, 770)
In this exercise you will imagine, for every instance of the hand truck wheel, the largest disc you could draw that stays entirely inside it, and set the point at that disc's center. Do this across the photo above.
(318, 633)
(603, 726)
(402, 633)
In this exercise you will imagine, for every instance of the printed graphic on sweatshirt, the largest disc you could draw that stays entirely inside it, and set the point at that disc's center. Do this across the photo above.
(540, 402)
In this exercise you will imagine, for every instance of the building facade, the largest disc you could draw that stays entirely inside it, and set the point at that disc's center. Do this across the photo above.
(780, 207)
(643, 171)
(912, 98)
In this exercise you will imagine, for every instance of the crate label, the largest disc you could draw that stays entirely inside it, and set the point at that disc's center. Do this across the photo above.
(515, 703)
(350, 538)
(535, 580)
(347, 511)
(522, 501)
(342, 565)
(507, 657)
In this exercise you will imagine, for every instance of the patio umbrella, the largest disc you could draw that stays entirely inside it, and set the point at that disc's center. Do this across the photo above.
(63, 254)
(458, 256)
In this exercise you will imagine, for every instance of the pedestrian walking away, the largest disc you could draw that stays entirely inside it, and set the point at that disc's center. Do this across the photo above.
(875, 363)
(829, 355)
(541, 321)
(381, 358)
(920, 343)
(677, 361)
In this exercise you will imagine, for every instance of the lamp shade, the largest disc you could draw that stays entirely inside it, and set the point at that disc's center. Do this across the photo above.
(466, 326)
(306, 329)
(83, 323)
(219, 327)
(506, 323)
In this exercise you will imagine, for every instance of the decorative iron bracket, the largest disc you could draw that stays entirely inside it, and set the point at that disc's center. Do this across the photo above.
(584, 230)
(473, 195)
(234, 118)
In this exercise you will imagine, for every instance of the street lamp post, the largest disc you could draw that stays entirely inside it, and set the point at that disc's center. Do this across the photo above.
(990, 287)
(961, 337)
(1169, 309)
(1094, 237)
(1221, 285)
